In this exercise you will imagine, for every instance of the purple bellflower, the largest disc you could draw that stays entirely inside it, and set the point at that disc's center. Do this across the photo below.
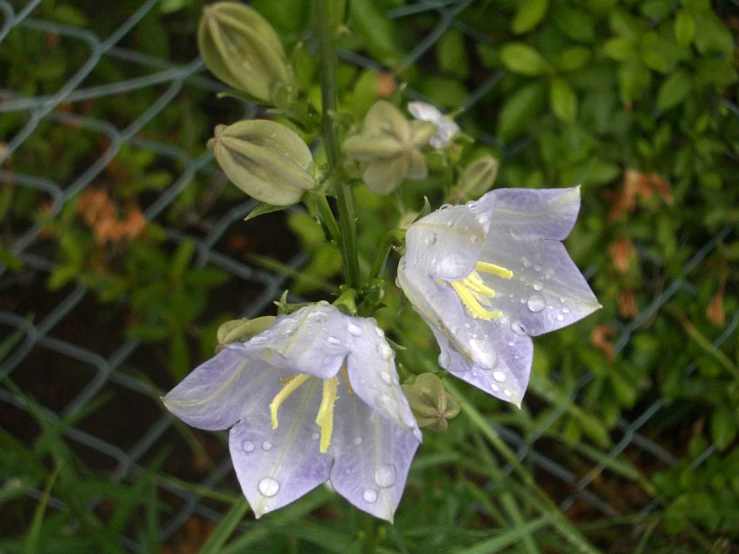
(489, 275)
(314, 398)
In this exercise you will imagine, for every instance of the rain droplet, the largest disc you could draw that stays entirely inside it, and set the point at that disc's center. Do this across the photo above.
(518, 328)
(370, 496)
(537, 286)
(268, 487)
(450, 222)
(499, 376)
(315, 436)
(318, 317)
(333, 340)
(266, 446)
(445, 207)
(247, 446)
(454, 329)
(357, 441)
(525, 263)
(384, 351)
(430, 238)
(353, 330)
(475, 239)
(386, 378)
(565, 310)
(494, 387)
(511, 343)
(507, 392)
(560, 317)
(537, 267)
(562, 300)
(537, 303)
(385, 476)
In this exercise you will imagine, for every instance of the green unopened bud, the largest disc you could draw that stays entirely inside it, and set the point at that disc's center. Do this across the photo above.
(387, 149)
(243, 50)
(476, 179)
(430, 402)
(241, 330)
(266, 160)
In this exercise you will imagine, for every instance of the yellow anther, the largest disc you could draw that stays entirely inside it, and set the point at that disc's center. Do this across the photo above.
(475, 283)
(494, 270)
(468, 299)
(325, 417)
(345, 374)
(290, 385)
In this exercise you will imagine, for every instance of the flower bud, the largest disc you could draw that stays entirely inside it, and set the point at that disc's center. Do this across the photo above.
(241, 330)
(387, 149)
(476, 179)
(243, 50)
(430, 402)
(266, 160)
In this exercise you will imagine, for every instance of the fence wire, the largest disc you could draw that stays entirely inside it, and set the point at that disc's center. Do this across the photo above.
(104, 373)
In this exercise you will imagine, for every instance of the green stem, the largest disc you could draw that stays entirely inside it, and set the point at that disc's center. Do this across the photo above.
(328, 62)
(328, 218)
(388, 240)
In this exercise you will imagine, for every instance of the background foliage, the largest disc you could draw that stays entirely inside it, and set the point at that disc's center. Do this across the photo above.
(123, 249)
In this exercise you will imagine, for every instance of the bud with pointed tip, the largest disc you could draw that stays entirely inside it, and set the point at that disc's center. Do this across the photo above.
(241, 330)
(387, 149)
(476, 179)
(266, 160)
(430, 402)
(242, 49)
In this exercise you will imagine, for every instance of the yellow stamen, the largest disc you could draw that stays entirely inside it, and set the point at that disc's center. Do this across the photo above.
(469, 300)
(290, 385)
(475, 283)
(494, 270)
(345, 374)
(325, 417)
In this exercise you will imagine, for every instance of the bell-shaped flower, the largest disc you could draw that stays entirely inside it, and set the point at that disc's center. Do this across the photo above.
(446, 128)
(489, 275)
(314, 398)
(388, 148)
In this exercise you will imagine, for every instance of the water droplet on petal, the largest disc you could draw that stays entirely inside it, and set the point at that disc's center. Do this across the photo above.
(499, 376)
(525, 263)
(430, 238)
(385, 476)
(449, 222)
(560, 317)
(565, 310)
(494, 387)
(386, 378)
(247, 446)
(315, 436)
(537, 286)
(380, 333)
(370, 496)
(537, 303)
(537, 267)
(507, 392)
(357, 441)
(266, 446)
(475, 239)
(353, 330)
(511, 343)
(268, 487)
(333, 340)
(384, 351)
(518, 328)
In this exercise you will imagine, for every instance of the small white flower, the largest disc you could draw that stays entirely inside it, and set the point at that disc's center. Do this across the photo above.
(446, 128)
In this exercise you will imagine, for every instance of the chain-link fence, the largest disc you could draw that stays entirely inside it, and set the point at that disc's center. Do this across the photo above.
(93, 369)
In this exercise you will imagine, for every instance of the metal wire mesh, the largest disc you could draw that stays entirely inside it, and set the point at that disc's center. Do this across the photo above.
(103, 372)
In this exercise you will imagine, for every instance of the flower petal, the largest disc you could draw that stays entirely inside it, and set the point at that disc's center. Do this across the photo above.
(314, 340)
(373, 456)
(372, 375)
(535, 213)
(211, 397)
(547, 290)
(446, 243)
(384, 176)
(278, 466)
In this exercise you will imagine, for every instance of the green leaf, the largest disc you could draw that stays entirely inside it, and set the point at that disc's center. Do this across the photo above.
(520, 109)
(448, 93)
(521, 58)
(574, 23)
(684, 27)
(723, 427)
(573, 58)
(715, 72)
(226, 527)
(451, 54)
(620, 48)
(181, 260)
(263, 208)
(653, 54)
(633, 76)
(563, 100)
(171, 6)
(376, 29)
(674, 90)
(529, 15)
(711, 34)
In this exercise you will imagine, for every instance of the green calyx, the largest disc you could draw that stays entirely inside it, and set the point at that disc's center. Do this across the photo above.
(241, 330)
(432, 405)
